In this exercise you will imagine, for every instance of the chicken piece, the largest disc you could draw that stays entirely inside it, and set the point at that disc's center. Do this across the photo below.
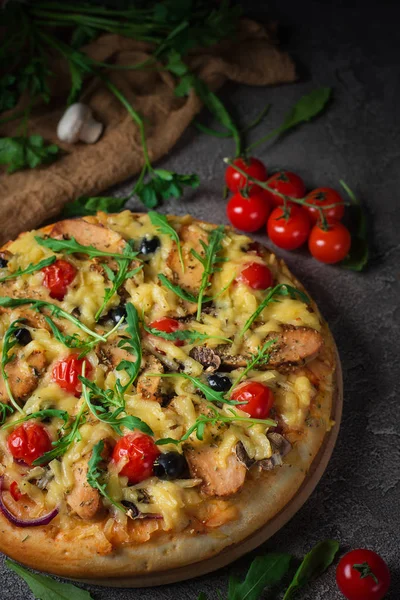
(89, 234)
(149, 387)
(83, 499)
(111, 355)
(294, 347)
(217, 481)
(190, 236)
(23, 375)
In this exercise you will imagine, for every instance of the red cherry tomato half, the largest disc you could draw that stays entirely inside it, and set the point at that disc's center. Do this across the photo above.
(325, 197)
(248, 214)
(286, 183)
(138, 452)
(15, 492)
(28, 441)
(57, 278)
(288, 233)
(258, 397)
(330, 246)
(167, 325)
(235, 181)
(256, 276)
(65, 373)
(363, 575)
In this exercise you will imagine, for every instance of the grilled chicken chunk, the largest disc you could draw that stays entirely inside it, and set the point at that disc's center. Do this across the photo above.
(224, 481)
(89, 234)
(190, 279)
(149, 387)
(294, 347)
(111, 355)
(23, 375)
(83, 499)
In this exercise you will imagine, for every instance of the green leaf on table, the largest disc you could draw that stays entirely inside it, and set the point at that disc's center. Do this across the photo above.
(8, 93)
(358, 256)
(19, 152)
(313, 565)
(164, 185)
(308, 107)
(47, 588)
(84, 206)
(264, 571)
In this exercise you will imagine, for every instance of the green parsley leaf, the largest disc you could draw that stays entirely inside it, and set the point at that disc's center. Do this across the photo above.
(162, 187)
(95, 475)
(160, 222)
(90, 206)
(313, 565)
(264, 571)
(47, 588)
(20, 152)
(29, 269)
(359, 253)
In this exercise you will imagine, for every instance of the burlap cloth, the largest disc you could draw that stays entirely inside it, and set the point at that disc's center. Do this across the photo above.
(29, 197)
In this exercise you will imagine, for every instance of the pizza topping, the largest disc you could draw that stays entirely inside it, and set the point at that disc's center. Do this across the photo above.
(23, 336)
(170, 465)
(208, 358)
(256, 276)
(149, 245)
(219, 383)
(86, 234)
(217, 481)
(3, 261)
(57, 278)
(23, 373)
(28, 442)
(135, 455)
(118, 313)
(256, 399)
(167, 325)
(149, 387)
(83, 499)
(39, 521)
(281, 447)
(66, 373)
(15, 492)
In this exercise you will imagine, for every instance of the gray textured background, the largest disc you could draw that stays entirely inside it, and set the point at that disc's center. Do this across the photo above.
(353, 47)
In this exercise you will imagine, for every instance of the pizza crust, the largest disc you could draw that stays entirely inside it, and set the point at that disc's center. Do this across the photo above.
(87, 555)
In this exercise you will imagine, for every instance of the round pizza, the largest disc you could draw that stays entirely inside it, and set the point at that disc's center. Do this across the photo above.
(165, 387)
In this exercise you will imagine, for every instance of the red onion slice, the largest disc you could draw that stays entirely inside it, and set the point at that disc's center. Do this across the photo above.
(45, 520)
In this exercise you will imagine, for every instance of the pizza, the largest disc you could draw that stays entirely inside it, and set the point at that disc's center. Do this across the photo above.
(165, 387)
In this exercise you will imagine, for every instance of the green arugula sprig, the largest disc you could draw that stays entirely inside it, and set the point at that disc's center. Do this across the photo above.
(209, 394)
(29, 269)
(133, 345)
(203, 420)
(55, 310)
(180, 292)
(46, 413)
(261, 357)
(71, 246)
(9, 341)
(267, 570)
(61, 446)
(186, 335)
(21, 152)
(282, 289)
(210, 260)
(98, 401)
(95, 474)
(160, 222)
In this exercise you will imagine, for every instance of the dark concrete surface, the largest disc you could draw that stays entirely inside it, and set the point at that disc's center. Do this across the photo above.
(354, 47)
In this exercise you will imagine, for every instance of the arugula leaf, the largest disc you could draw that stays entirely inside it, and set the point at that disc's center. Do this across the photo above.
(21, 152)
(90, 206)
(42, 414)
(62, 445)
(29, 269)
(164, 185)
(9, 341)
(209, 262)
(71, 246)
(178, 290)
(4, 409)
(264, 571)
(95, 474)
(47, 588)
(282, 289)
(160, 222)
(261, 357)
(186, 335)
(210, 394)
(359, 252)
(313, 565)
(132, 345)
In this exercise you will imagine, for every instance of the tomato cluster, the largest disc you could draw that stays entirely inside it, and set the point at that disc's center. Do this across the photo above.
(289, 224)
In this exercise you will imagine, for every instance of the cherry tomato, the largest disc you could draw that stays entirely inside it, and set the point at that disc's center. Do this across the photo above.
(28, 441)
(167, 325)
(138, 453)
(15, 492)
(286, 183)
(291, 233)
(249, 214)
(330, 246)
(256, 276)
(235, 181)
(65, 373)
(324, 197)
(258, 397)
(362, 575)
(57, 278)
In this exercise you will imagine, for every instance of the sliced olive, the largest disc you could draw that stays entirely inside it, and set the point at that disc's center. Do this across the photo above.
(118, 313)
(170, 465)
(219, 383)
(3, 263)
(149, 245)
(23, 336)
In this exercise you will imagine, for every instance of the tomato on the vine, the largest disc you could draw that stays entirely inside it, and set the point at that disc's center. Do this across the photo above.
(288, 233)
(363, 575)
(57, 278)
(167, 325)
(29, 441)
(322, 197)
(258, 397)
(330, 246)
(235, 181)
(137, 452)
(287, 183)
(256, 276)
(249, 213)
(66, 372)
